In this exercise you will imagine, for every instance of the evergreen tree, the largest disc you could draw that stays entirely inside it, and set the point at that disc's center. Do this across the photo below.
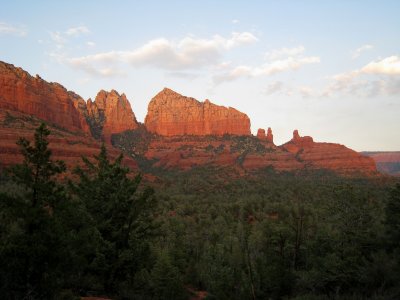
(166, 280)
(122, 217)
(393, 218)
(31, 246)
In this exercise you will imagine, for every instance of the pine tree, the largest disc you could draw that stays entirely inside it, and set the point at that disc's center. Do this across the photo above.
(393, 218)
(31, 241)
(122, 216)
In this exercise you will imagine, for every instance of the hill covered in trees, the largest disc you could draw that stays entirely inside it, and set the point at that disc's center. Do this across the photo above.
(99, 231)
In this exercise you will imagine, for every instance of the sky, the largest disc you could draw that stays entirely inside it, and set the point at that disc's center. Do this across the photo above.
(330, 69)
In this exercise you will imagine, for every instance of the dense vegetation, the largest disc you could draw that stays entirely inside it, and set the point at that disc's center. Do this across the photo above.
(259, 236)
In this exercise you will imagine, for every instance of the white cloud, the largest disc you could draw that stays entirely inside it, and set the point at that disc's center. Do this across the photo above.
(388, 66)
(8, 29)
(91, 44)
(235, 21)
(379, 77)
(290, 63)
(185, 54)
(284, 52)
(238, 39)
(61, 38)
(77, 31)
(293, 61)
(358, 51)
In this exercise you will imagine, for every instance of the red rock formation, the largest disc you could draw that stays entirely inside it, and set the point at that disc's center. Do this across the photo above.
(261, 134)
(65, 145)
(51, 102)
(111, 113)
(328, 156)
(298, 142)
(170, 113)
(268, 138)
(184, 125)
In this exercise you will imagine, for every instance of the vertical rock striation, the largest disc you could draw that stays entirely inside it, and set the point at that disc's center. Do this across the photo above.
(170, 113)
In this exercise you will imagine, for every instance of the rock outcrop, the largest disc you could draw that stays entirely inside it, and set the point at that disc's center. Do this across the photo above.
(328, 156)
(298, 142)
(188, 133)
(65, 145)
(300, 154)
(268, 138)
(261, 134)
(19, 91)
(110, 113)
(170, 114)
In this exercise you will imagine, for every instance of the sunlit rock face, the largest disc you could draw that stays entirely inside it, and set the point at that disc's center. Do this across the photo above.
(19, 91)
(170, 114)
(329, 156)
(180, 132)
(110, 113)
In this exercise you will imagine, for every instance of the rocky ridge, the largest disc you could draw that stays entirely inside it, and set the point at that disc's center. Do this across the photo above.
(179, 132)
(19, 91)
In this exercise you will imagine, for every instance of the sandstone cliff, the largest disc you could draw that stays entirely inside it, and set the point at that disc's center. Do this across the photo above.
(65, 145)
(51, 102)
(110, 113)
(170, 113)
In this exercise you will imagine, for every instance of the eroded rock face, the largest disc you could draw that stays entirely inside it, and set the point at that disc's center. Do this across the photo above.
(328, 156)
(65, 145)
(252, 153)
(19, 91)
(269, 137)
(110, 113)
(261, 134)
(170, 114)
(298, 142)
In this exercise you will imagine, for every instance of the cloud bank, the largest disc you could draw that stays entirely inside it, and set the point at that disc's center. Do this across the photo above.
(276, 61)
(186, 54)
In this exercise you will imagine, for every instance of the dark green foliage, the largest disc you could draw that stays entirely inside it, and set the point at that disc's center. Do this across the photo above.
(166, 279)
(122, 218)
(263, 235)
(393, 218)
(32, 252)
(244, 144)
(274, 236)
(133, 142)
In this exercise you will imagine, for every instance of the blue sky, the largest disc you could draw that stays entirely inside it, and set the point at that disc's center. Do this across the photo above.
(328, 68)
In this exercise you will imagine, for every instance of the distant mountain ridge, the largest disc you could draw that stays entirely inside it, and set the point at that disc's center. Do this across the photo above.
(387, 162)
(179, 132)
